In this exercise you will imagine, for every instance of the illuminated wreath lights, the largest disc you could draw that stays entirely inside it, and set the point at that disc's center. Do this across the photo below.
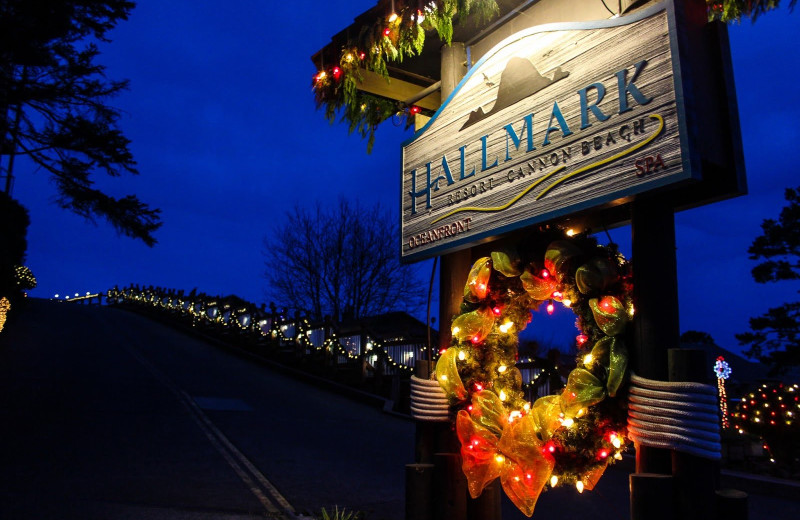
(567, 438)
(721, 368)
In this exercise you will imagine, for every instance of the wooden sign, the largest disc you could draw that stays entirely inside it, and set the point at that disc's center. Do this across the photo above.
(555, 119)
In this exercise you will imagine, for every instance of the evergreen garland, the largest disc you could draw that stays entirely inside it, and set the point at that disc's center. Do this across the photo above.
(401, 35)
(735, 10)
(388, 39)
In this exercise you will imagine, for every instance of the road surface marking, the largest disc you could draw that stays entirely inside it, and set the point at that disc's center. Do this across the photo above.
(235, 459)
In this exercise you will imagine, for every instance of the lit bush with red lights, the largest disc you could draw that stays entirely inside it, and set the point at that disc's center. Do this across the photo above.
(771, 413)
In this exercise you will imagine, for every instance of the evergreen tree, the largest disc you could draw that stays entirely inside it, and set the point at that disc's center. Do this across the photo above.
(774, 337)
(53, 106)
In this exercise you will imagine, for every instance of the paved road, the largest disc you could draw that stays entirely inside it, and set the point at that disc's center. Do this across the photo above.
(106, 415)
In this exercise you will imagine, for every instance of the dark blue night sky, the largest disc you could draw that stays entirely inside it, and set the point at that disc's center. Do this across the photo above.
(227, 138)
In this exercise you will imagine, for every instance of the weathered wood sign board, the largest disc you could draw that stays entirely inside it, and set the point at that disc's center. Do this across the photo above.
(555, 119)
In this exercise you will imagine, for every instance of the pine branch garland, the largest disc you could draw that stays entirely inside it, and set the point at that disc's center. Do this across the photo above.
(401, 35)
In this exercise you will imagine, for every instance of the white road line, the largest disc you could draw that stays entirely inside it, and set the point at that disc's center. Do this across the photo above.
(218, 443)
(235, 459)
(276, 495)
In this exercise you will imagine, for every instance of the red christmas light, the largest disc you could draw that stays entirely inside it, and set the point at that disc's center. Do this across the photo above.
(497, 311)
(603, 454)
(414, 110)
(545, 273)
(337, 72)
(550, 308)
(476, 340)
(361, 55)
(387, 32)
(581, 339)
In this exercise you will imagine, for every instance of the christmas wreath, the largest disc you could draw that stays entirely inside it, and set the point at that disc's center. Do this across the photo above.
(567, 438)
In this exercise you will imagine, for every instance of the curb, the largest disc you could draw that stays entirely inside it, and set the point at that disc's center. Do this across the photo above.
(759, 484)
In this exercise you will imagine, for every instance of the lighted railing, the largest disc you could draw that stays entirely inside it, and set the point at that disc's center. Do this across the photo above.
(77, 298)
(275, 327)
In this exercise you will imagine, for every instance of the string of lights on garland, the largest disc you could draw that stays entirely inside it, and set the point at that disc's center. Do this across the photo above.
(567, 438)
(202, 309)
(5, 306)
(723, 371)
(400, 33)
(735, 10)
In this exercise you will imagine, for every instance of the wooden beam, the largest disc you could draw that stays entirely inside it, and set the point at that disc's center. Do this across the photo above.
(397, 89)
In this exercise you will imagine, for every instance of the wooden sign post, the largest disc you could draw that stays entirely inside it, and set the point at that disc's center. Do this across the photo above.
(568, 119)
(598, 113)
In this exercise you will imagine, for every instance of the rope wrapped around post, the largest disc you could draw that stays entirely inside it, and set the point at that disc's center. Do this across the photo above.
(428, 401)
(674, 415)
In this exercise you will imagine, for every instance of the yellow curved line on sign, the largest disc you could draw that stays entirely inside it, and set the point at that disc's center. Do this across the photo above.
(609, 159)
(504, 206)
(539, 181)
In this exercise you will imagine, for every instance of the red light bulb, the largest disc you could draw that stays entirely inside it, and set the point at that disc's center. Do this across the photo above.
(545, 273)
(387, 32)
(581, 339)
(550, 308)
